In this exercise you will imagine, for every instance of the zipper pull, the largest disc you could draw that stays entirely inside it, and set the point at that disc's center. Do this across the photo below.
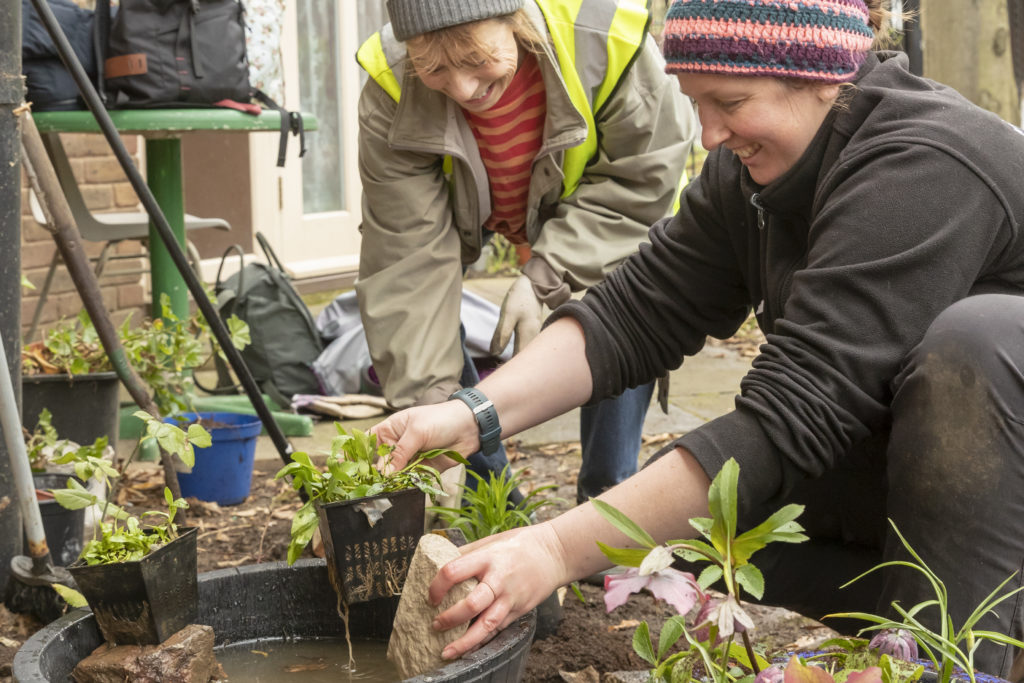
(755, 200)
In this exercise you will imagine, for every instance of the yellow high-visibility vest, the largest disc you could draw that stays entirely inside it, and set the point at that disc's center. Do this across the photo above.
(595, 42)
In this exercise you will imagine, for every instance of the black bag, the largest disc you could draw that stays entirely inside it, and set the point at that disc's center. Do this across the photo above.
(50, 87)
(172, 53)
(285, 340)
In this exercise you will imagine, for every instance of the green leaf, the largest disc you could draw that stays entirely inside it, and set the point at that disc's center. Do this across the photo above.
(74, 499)
(625, 557)
(642, 644)
(778, 527)
(723, 506)
(623, 523)
(670, 634)
(709, 575)
(70, 595)
(198, 436)
(751, 579)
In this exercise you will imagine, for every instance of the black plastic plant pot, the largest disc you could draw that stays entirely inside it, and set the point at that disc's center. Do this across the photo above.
(63, 527)
(146, 601)
(368, 561)
(84, 407)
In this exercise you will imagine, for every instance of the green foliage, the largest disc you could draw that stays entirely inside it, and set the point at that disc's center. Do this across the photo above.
(163, 352)
(950, 646)
(120, 537)
(355, 468)
(488, 510)
(173, 440)
(728, 556)
(123, 538)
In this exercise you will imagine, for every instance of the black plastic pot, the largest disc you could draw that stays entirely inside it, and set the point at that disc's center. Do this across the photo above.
(267, 602)
(369, 562)
(63, 528)
(84, 407)
(147, 601)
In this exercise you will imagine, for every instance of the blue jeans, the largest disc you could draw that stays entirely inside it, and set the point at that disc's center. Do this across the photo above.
(609, 434)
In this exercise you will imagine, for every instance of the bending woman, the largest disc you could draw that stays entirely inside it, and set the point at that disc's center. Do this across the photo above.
(871, 219)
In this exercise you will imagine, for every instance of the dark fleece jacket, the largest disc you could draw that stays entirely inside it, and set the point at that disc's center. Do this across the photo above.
(905, 202)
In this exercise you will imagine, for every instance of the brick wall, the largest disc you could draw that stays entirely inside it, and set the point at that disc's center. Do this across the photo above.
(105, 188)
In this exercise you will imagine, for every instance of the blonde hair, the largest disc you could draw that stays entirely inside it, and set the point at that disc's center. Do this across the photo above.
(458, 46)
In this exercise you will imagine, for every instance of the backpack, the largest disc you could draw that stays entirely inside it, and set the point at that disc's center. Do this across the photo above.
(172, 53)
(285, 340)
(50, 87)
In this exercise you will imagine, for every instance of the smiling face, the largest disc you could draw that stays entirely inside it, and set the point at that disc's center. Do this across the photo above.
(766, 122)
(477, 76)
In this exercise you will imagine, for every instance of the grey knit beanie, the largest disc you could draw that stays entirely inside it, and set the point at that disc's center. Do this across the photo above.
(410, 18)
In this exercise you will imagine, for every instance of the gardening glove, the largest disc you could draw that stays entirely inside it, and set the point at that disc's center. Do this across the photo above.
(521, 312)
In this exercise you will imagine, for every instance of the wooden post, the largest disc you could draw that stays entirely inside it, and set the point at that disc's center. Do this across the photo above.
(966, 45)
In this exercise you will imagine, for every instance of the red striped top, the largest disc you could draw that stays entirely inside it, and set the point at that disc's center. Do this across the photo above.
(509, 135)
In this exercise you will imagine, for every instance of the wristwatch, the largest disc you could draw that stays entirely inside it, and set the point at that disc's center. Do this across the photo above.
(486, 417)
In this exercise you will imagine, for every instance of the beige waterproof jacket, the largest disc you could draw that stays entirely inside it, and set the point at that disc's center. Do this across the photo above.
(418, 229)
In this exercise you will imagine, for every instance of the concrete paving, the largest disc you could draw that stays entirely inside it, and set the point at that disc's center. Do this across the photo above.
(702, 389)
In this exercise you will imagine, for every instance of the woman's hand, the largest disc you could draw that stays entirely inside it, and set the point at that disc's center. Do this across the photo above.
(442, 425)
(516, 570)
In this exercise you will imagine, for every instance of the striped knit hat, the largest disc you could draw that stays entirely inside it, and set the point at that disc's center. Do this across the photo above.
(820, 40)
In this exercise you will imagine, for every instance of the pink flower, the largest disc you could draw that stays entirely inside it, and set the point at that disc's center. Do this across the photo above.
(677, 588)
(898, 643)
(725, 613)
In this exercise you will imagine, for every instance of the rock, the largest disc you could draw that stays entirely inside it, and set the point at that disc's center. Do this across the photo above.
(626, 677)
(185, 657)
(588, 675)
(415, 647)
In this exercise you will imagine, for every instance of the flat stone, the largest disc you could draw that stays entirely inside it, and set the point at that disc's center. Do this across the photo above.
(626, 677)
(185, 657)
(415, 647)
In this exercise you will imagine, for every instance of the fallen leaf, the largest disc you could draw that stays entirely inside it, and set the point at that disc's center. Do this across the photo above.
(294, 668)
(624, 624)
(7, 642)
(234, 563)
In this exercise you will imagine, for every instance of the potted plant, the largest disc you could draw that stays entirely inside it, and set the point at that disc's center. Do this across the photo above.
(68, 371)
(370, 521)
(705, 647)
(53, 462)
(139, 574)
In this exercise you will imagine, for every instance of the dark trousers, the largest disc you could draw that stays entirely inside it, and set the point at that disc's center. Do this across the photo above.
(949, 473)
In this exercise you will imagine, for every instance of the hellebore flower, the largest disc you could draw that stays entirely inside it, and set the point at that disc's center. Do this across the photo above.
(725, 613)
(776, 673)
(677, 588)
(897, 642)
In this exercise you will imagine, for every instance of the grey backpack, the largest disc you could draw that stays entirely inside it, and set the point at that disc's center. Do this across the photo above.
(285, 340)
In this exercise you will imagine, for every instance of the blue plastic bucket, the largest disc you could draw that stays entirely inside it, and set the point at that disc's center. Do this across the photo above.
(223, 472)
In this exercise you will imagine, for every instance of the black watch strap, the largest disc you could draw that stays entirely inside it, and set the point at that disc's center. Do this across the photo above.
(486, 417)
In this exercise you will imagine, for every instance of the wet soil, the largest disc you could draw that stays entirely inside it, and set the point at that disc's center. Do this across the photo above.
(258, 531)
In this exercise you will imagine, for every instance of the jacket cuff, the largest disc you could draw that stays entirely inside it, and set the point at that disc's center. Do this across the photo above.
(548, 285)
(438, 393)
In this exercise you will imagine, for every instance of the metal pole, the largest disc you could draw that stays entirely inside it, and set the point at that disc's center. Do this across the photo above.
(912, 36)
(11, 96)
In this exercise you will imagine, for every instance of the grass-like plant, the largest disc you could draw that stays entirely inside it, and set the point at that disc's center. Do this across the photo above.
(352, 472)
(949, 647)
(488, 509)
